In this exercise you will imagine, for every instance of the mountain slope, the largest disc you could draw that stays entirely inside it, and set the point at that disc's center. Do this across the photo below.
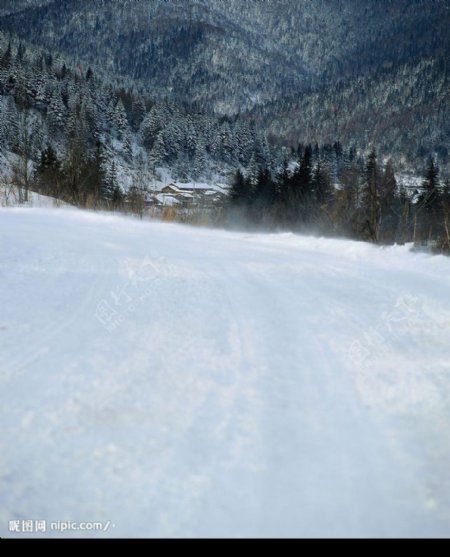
(171, 381)
(182, 50)
(8, 7)
(288, 63)
(227, 51)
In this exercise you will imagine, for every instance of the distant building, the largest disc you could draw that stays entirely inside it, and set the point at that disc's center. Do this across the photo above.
(191, 195)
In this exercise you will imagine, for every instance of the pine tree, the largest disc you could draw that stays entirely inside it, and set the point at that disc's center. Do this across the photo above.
(244, 143)
(264, 198)
(238, 192)
(200, 161)
(6, 58)
(263, 153)
(301, 191)
(430, 203)
(22, 92)
(446, 217)
(20, 55)
(253, 171)
(112, 192)
(73, 188)
(119, 120)
(95, 176)
(3, 131)
(159, 154)
(11, 118)
(48, 173)
(227, 144)
(137, 113)
(150, 128)
(371, 209)
(93, 120)
(285, 195)
(389, 206)
(56, 113)
(127, 147)
(321, 186)
(23, 169)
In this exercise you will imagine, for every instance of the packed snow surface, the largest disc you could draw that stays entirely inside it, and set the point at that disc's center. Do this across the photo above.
(172, 381)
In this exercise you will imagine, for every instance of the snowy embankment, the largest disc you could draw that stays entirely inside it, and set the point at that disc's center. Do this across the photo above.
(10, 196)
(172, 381)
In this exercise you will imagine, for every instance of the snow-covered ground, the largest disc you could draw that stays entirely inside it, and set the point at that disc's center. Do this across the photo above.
(173, 381)
(10, 196)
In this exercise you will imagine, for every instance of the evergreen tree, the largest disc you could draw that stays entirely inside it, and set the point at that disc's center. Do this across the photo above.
(404, 212)
(301, 191)
(264, 199)
(227, 144)
(239, 191)
(389, 204)
(430, 203)
(127, 146)
(199, 163)
(152, 124)
(73, 189)
(3, 125)
(20, 55)
(23, 169)
(6, 58)
(371, 208)
(48, 173)
(11, 118)
(56, 113)
(285, 195)
(445, 244)
(119, 120)
(95, 176)
(305, 171)
(159, 154)
(137, 113)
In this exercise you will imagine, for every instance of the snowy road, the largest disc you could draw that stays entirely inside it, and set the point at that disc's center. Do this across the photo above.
(172, 381)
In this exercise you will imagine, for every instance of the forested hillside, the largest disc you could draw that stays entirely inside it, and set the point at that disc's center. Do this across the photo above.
(363, 71)
(54, 116)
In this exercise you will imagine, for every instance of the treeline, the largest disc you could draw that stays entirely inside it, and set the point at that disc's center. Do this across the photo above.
(357, 198)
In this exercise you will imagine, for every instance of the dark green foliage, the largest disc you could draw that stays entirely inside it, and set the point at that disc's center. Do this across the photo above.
(48, 170)
(239, 193)
(369, 204)
(430, 208)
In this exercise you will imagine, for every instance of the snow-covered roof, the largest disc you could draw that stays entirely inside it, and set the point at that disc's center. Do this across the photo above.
(167, 200)
(173, 187)
(197, 186)
(184, 187)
